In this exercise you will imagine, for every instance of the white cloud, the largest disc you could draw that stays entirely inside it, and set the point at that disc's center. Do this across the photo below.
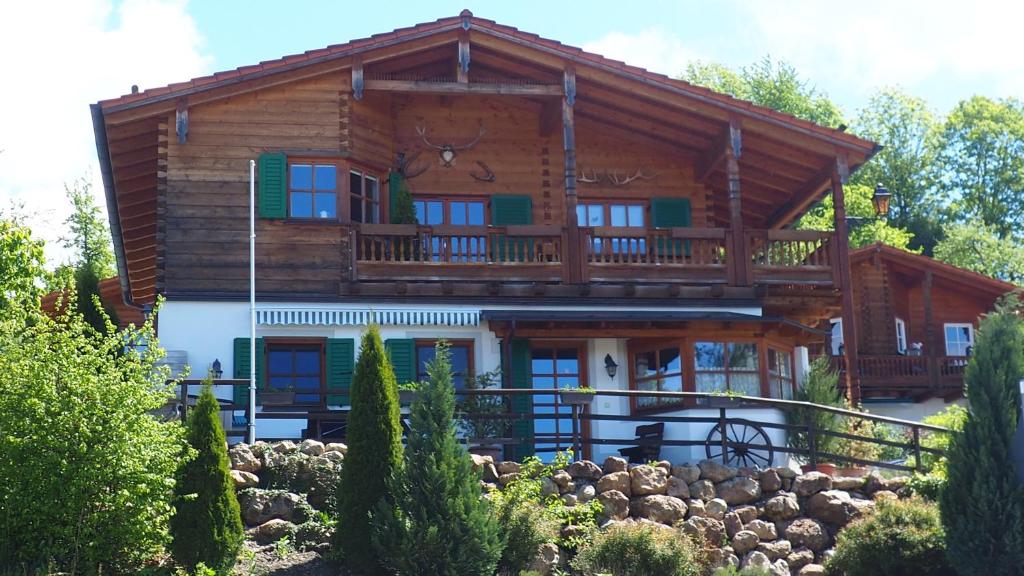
(59, 57)
(652, 48)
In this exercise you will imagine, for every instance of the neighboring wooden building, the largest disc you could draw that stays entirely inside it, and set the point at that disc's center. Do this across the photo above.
(915, 322)
(112, 298)
(571, 209)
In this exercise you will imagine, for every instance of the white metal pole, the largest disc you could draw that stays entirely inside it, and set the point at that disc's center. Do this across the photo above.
(251, 427)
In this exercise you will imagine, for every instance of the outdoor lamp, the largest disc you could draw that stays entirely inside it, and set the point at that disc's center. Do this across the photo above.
(880, 200)
(610, 366)
(215, 370)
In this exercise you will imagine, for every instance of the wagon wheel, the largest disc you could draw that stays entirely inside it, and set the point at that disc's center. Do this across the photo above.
(749, 445)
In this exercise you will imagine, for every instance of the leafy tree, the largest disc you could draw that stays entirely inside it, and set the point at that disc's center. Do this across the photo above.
(821, 387)
(771, 83)
(94, 258)
(207, 524)
(858, 205)
(374, 453)
(983, 502)
(981, 160)
(440, 525)
(86, 468)
(907, 129)
(21, 266)
(978, 247)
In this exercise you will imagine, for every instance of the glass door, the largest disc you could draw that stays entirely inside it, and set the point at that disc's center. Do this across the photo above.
(554, 365)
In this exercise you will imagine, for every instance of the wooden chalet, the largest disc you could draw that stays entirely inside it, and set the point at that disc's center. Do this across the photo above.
(571, 211)
(915, 320)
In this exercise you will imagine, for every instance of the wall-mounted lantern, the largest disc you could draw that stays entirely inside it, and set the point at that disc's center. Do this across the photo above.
(215, 369)
(610, 366)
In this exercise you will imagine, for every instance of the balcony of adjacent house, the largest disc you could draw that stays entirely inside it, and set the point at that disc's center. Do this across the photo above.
(612, 244)
(907, 376)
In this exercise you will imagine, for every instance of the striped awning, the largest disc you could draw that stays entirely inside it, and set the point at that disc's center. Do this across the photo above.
(308, 316)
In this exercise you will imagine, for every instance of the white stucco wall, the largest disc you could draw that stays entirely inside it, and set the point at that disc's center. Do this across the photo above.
(914, 411)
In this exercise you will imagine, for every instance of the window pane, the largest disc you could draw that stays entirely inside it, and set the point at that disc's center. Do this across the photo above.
(435, 212)
(460, 359)
(307, 362)
(709, 355)
(302, 177)
(476, 213)
(581, 215)
(306, 383)
(421, 211)
(302, 204)
(279, 361)
(326, 178)
(326, 205)
(618, 215)
(457, 210)
(743, 356)
(356, 209)
(371, 187)
(746, 383)
(645, 364)
(279, 382)
(636, 215)
(543, 362)
(669, 360)
(424, 355)
(355, 183)
(710, 382)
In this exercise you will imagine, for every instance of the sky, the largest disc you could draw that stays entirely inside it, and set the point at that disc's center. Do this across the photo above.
(60, 56)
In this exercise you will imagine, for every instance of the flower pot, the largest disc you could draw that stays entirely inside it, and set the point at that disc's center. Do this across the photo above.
(721, 402)
(824, 467)
(576, 397)
(852, 471)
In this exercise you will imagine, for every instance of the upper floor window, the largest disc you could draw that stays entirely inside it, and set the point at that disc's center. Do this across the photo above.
(313, 191)
(460, 354)
(614, 214)
(836, 329)
(364, 197)
(959, 339)
(659, 369)
(436, 211)
(901, 336)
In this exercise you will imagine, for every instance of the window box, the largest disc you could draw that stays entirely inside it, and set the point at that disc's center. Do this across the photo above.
(576, 397)
(278, 397)
(722, 402)
(406, 396)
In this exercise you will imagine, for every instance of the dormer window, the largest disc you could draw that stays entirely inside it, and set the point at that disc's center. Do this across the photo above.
(313, 191)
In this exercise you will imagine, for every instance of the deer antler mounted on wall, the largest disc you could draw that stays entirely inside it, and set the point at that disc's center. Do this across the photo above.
(447, 151)
(613, 177)
(487, 176)
(626, 179)
(406, 168)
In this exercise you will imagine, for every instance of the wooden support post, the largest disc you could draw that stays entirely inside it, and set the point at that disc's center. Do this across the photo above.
(462, 71)
(578, 261)
(357, 78)
(181, 120)
(839, 175)
(929, 331)
(738, 258)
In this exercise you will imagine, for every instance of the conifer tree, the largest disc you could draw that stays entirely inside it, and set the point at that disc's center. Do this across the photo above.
(404, 211)
(983, 501)
(374, 438)
(440, 524)
(207, 524)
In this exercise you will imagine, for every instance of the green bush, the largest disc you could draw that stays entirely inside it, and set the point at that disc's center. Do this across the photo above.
(640, 550)
(526, 523)
(734, 571)
(86, 469)
(440, 524)
(374, 453)
(207, 524)
(821, 387)
(403, 210)
(983, 501)
(900, 537)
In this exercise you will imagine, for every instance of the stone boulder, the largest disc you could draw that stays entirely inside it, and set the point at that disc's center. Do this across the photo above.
(243, 459)
(508, 467)
(547, 559)
(746, 513)
(615, 481)
(764, 530)
(243, 479)
(645, 480)
(614, 464)
(688, 473)
(677, 487)
(311, 447)
(808, 533)
(715, 472)
(775, 549)
(733, 524)
(585, 470)
(799, 558)
(615, 504)
(259, 506)
(779, 568)
(833, 507)
(660, 508)
(486, 466)
(284, 447)
(702, 490)
(770, 480)
(271, 531)
(586, 493)
(696, 507)
(781, 507)
(811, 483)
(847, 483)
(548, 487)
(716, 508)
(336, 447)
(744, 541)
(710, 530)
(812, 570)
(739, 490)
(756, 561)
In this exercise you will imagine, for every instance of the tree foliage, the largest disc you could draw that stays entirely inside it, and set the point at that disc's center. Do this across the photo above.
(21, 267)
(89, 239)
(821, 387)
(983, 501)
(86, 469)
(440, 525)
(978, 247)
(871, 229)
(404, 211)
(207, 524)
(374, 453)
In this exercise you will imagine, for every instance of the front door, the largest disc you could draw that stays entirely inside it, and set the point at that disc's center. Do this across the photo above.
(554, 365)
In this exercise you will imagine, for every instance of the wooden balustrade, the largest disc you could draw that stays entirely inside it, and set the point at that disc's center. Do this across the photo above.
(792, 257)
(639, 254)
(898, 375)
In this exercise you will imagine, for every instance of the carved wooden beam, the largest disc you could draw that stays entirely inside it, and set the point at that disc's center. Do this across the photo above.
(730, 136)
(181, 120)
(357, 78)
(456, 88)
(809, 193)
(462, 72)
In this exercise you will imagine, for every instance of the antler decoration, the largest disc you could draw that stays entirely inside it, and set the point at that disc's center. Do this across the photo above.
(625, 179)
(487, 176)
(406, 168)
(592, 178)
(614, 177)
(448, 150)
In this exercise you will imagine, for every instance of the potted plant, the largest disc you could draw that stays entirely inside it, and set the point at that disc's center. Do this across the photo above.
(277, 397)
(721, 400)
(480, 415)
(857, 449)
(577, 396)
(407, 392)
(821, 387)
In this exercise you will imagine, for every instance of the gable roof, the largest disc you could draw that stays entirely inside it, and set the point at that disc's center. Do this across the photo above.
(966, 279)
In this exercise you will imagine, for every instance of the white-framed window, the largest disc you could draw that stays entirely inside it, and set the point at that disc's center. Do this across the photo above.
(959, 339)
(901, 336)
(836, 325)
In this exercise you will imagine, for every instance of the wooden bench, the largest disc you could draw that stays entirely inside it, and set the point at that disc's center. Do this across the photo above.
(648, 448)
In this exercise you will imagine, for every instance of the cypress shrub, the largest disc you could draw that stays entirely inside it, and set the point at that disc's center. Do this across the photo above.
(983, 501)
(821, 387)
(440, 524)
(374, 452)
(404, 211)
(207, 526)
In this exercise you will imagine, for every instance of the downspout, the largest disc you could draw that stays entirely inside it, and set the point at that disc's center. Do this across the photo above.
(106, 171)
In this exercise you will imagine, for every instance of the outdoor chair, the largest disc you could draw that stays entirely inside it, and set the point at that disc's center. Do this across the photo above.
(648, 448)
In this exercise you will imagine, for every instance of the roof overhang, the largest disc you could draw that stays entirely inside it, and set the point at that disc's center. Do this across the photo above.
(967, 280)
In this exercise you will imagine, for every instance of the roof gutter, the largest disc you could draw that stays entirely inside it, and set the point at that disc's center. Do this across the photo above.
(99, 127)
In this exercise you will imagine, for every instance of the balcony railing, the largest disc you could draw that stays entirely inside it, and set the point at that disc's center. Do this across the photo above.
(899, 375)
(598, 254)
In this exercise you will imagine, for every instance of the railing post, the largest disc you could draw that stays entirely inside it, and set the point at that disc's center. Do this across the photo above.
(184, 399)
(576, 448)
(917, 448)
(725, 440)
(812, 448)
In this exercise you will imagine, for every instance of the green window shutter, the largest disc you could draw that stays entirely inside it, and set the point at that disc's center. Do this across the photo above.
(671, 213)
(240, 394)
(273, 182)
(511, 210)
(402, 353)
(339, 364)
(522, 378)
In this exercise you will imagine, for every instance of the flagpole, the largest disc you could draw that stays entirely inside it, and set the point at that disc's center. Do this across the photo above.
(251, 425)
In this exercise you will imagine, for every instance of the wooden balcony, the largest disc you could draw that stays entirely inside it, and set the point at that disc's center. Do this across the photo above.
(916, 377)
(620, 255)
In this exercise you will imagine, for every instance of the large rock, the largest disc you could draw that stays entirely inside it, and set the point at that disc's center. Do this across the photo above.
(615, 504)
(614, 464)
(744, 541)
(563, 480)
(696, 507)
(646, 480)
(311, 447)
(547, 559)
(812, 570)
(336, 447)
(486, 466)
(584, 469)
(781, 507)
(586, 493)
(711, 470)
(779, 568)
(716, 508)
(333, 456)
(721, 558)
(689, 473)
(848, 483)
(770, 480)
(834, 507)
(811, 483)
(271, 531)
(733, 524)
(703, 490)
(615, 481)
(776, 549)
(809, 533)
(710, 530)
(677, 487)
(508, 467)
(764, 530)
(548, 487)
(799, 558)
(243, 479)
(284, 447)
(747, 513)
(739, 490)
(660, 508)
(242, 458)
(259, 506)
(756, 561)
